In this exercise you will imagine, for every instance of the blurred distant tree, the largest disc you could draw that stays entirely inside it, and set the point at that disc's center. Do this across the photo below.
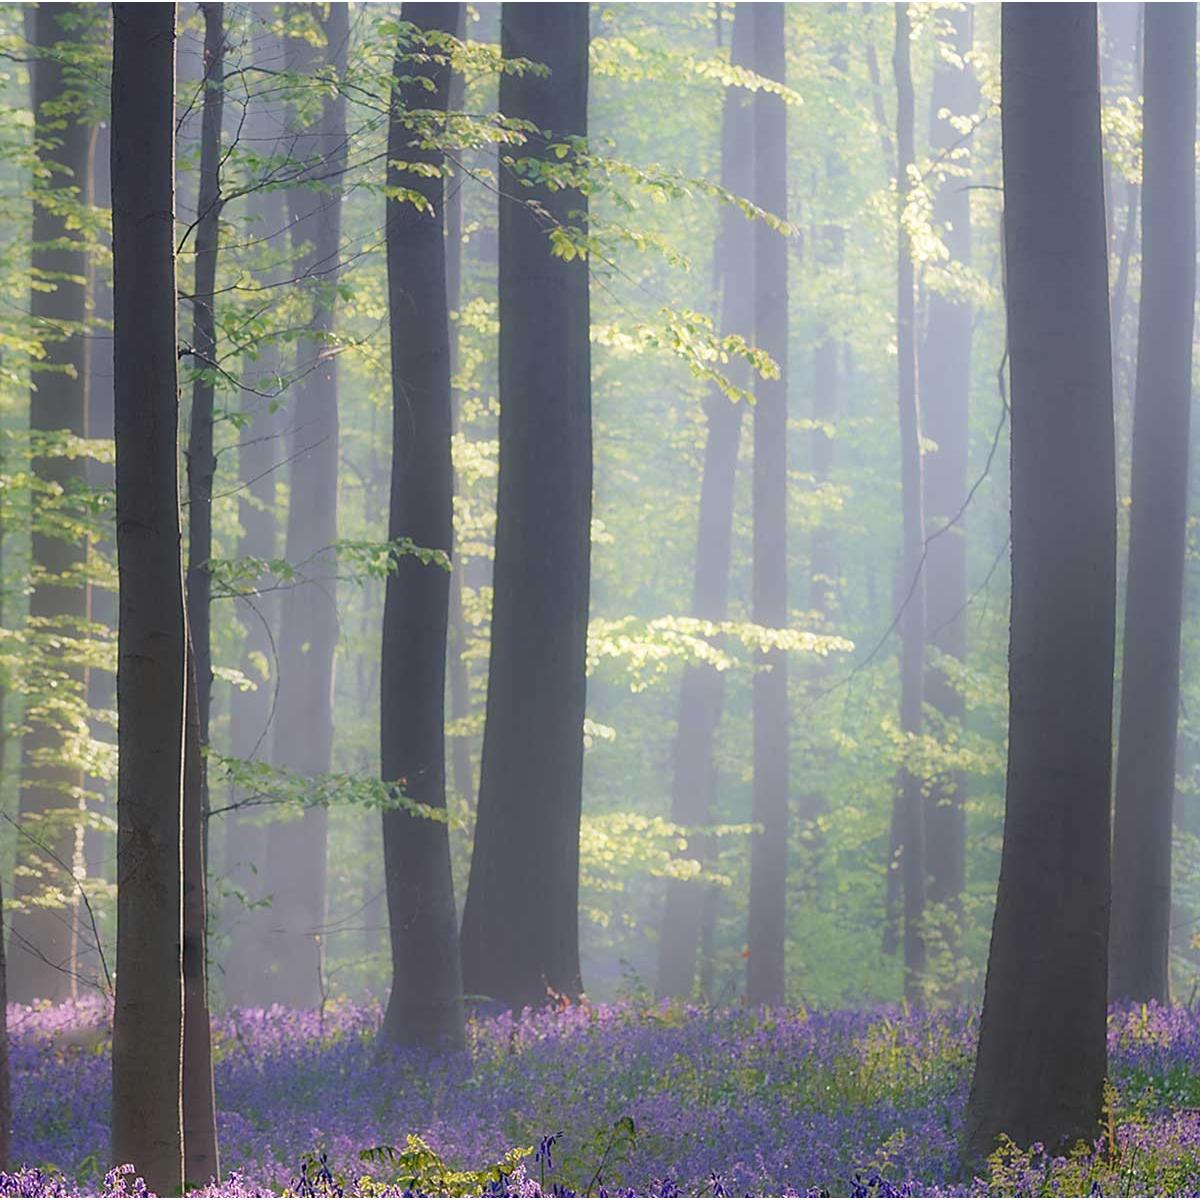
(702, 689)
(945, 377)
(296, 862)
(909, 821)
(44, 955)
(1145, 792)
(768, 847)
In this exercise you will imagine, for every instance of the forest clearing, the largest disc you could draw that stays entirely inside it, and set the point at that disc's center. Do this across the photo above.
(599, 598)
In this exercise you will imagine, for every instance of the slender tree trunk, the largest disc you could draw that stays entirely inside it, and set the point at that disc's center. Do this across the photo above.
(910, 812)
(199, 1110)
(768, 848)
(1041, 1062)
(98, 843)
(260, 457)
(1141, 896)
(702, 690)
(148, 1019)
(520, 932)
(945, 368)
(201, 460)
(460, 676)
(44, 952)
(308, 633)
(201, 1163)
(426, 1003)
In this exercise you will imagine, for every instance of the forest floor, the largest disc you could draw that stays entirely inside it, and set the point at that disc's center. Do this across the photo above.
(608, 1099)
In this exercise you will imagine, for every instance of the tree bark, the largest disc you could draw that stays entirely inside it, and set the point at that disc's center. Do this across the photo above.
(520, 933)
(702, 689)
(1141, 898)
(201, 1162)
(765, 978)
(308, 631)
(45, 942)
(426, 1003)
(148, 1018)
(910, 815)
(1041, 1061)
(945, 370)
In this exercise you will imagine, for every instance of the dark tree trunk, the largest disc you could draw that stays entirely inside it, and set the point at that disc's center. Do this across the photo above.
(148, 1019)
(260, 458)
(702, 690)
(199, 1111)
(200, 1163)
(768, 848)
(44, 953)
(1039, 1074)
(426, 1003)
(945, 369)
(201, 461)
(460, 676)
(308, 632)
(910, 804)
(521, 922)
(1141, 895)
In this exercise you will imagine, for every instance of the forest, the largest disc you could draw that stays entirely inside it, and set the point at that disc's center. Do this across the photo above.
(599, 599)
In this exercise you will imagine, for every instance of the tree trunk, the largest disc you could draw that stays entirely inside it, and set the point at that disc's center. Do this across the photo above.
(98, 844)
(768, 848)
(702, 690)
(148, 1018)
(460, 676)
(200, 1163)
(260, 456)
(44, 953)
(308, 633)
(1141, 895)
(199, 1112)
(521, 921)
(945, 368)
(1039, 1073)
(910, 813)
(426, 1004)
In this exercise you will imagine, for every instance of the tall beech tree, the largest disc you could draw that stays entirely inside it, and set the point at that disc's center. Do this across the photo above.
(702, 690)
(520, 933)
(1040, 1066)
(909, 820)
(43, 957)
(945, 373)
(152, 645)
(426, 1003)
(296, 870)
(201, 1162)
(1145, 793)
(768, 845)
